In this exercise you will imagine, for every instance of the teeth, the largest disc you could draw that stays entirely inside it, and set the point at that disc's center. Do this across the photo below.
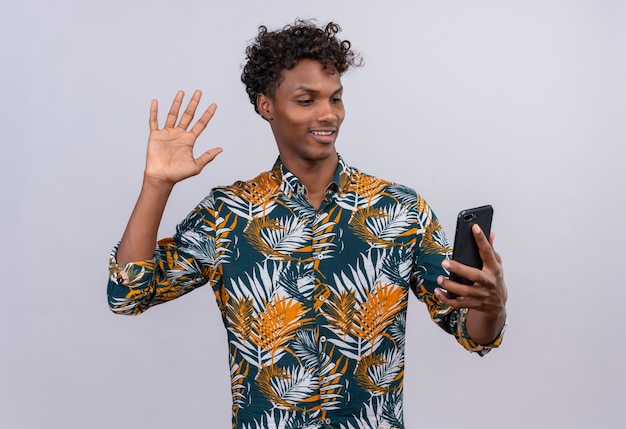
(322, 133)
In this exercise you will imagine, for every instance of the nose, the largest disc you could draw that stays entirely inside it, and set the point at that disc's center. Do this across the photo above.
(328, 112)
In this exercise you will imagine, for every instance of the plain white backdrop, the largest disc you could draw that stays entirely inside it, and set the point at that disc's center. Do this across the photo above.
(521, 104)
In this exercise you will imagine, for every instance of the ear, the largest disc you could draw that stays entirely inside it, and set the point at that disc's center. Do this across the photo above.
(265, 106)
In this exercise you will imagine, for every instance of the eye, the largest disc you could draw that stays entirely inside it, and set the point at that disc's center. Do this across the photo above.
(336, 100)
(305, 101)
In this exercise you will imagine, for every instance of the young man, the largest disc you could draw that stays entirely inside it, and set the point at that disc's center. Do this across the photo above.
(311, 262)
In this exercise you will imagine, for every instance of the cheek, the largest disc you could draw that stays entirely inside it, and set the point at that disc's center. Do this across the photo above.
(341, 115)
(295, 122)
(289, 122)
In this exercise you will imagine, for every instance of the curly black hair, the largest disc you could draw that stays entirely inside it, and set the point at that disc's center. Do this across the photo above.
(271, 52)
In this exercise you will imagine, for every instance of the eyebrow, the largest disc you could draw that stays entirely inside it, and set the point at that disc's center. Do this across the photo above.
(315, 91)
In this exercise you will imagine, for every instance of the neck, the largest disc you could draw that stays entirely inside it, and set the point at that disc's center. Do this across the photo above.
(314, 175)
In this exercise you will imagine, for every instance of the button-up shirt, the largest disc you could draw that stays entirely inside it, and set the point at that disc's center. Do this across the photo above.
(314, 301)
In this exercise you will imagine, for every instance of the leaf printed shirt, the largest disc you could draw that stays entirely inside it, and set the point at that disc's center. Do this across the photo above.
(314, 301)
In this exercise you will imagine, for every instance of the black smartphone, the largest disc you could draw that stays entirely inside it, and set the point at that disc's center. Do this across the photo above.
(465, 248)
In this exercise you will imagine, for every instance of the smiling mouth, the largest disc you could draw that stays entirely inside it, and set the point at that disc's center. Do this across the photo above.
(322, 133)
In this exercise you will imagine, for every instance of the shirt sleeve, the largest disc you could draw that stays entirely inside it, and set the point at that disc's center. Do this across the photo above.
(180, 264)
(433, 248)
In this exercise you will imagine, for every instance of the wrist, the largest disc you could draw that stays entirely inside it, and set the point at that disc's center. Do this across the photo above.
(495, 321)
(156, 185)
(484, 328)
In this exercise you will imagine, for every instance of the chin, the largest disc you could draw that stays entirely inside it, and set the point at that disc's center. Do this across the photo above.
(323, 155)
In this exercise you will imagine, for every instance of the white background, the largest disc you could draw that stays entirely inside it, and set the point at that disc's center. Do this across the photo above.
(521, 104)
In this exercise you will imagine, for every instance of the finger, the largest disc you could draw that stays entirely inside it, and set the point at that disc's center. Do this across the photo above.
(204, 120)
(492, 238)
(484, 247)
(458, 302)
(498, 257)
(458, 289)
(470, 273)
(208, 156)
(172, 116)
(190, 111)
(154, 113)
(441, 295)
(464, 296)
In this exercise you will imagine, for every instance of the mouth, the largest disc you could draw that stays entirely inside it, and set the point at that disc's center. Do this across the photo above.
(322, 133)
(324, 136)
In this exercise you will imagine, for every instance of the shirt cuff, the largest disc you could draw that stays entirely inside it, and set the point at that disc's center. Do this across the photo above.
(131, 274)
(465, 340)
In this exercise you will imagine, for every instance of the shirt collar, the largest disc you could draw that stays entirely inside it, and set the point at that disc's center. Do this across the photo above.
(291, 185)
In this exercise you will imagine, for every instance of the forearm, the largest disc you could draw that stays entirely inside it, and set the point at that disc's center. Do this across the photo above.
(140, 237)
(484, 328)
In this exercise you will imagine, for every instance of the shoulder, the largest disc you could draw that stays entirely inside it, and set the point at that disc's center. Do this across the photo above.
(244, 194)
(265, 181)
(360, 182)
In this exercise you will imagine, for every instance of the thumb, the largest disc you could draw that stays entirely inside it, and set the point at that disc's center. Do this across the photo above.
(208, 156)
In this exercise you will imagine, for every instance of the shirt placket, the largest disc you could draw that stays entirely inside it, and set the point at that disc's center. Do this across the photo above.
(321, 295)
(316, 302)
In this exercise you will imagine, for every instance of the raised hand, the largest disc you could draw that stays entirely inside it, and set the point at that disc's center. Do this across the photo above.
(170, 157)
(486, 298)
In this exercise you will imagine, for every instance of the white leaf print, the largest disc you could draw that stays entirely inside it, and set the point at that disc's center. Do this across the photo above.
(397, 220)
(293, 235)
(299, 385)
(384, 374)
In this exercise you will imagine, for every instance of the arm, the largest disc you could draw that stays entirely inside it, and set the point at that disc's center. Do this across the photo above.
(486, 298)
(169, 160)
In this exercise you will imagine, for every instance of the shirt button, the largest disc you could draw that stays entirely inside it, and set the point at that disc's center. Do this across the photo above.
(323, 339)
(327, 421)
(319, 256)
(322, 298)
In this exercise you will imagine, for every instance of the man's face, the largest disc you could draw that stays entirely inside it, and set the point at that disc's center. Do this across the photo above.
(305, 113)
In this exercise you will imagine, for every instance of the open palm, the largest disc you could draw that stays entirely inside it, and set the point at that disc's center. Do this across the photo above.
(170, 155)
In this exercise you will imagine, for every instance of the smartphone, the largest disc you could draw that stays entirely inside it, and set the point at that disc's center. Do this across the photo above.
(465, 248)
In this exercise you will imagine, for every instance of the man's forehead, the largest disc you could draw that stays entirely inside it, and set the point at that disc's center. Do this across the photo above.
(310, 75)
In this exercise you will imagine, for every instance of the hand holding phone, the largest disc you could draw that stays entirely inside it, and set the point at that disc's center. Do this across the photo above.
(465, 249)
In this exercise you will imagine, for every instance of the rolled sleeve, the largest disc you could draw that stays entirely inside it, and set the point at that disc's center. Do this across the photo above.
(179, 265)
(464, 339)
(131, 286)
